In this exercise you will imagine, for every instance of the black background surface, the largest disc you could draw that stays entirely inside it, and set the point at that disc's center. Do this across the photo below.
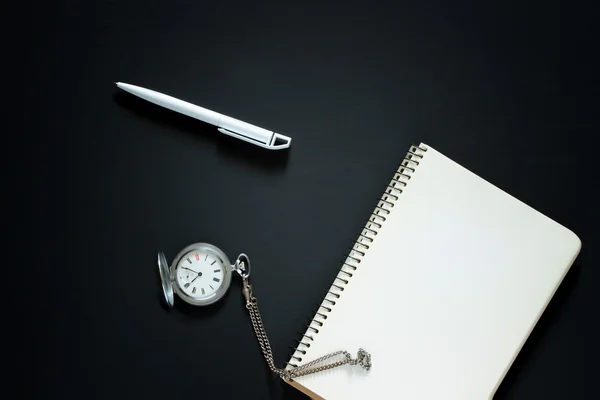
(101, 181)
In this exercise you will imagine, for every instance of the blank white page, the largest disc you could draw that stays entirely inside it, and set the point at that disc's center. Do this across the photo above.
(446, 295)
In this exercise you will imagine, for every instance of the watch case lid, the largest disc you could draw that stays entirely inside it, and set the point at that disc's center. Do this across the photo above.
(165, 277)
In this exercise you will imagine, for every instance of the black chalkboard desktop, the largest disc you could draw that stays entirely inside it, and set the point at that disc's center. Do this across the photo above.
(100, 181)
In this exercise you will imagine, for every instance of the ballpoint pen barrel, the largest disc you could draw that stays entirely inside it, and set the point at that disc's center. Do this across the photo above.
(208, 116)
(226, 125)
(183, 107)
(244, 129)
(166, 101)
(211, 117)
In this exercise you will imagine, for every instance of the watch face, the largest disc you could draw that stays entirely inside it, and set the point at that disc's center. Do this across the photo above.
(201, 274)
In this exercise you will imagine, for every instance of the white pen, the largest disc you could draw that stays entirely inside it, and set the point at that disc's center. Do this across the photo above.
(227, 125)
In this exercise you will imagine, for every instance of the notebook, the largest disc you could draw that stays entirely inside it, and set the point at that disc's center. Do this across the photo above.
(442, 287)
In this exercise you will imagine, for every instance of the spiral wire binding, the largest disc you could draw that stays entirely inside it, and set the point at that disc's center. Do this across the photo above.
(359, 249)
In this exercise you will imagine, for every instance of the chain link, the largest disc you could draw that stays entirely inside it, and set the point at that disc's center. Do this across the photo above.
(363, 358)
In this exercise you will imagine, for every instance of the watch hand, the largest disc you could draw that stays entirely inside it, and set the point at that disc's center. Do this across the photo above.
(190, 270)
(199, 275)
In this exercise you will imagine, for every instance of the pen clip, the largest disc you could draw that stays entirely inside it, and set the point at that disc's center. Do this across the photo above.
(276, 142)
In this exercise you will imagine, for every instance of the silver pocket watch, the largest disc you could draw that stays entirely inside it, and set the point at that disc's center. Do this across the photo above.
(201, 274)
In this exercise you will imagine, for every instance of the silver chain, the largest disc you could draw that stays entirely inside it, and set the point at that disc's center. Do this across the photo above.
(343, 357)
